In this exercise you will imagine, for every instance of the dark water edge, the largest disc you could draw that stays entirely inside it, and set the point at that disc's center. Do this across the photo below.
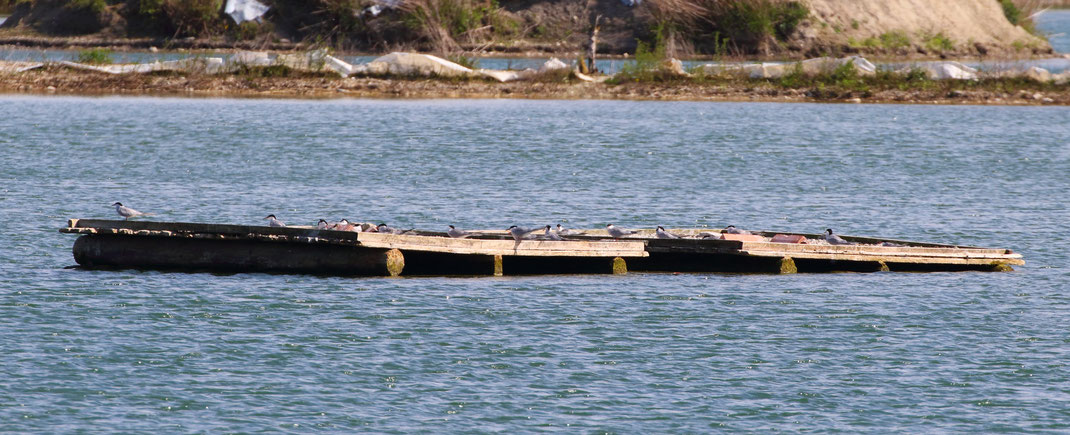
(143, 350)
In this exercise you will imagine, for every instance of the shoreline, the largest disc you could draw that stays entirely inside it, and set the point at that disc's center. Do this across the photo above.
(128, 45)
(65, 81)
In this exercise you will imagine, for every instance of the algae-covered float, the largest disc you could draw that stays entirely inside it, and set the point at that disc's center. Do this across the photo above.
(243, 248)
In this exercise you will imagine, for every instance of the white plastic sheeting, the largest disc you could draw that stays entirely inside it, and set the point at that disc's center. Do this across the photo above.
(250, 58)
(415, 64)
(245, 10)
(949, 70)
(209, 65)
(820, 65)
(553, 64)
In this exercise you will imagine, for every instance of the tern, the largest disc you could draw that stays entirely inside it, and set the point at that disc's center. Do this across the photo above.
(272, 221)
(127, 212)
(382, 228)
(834, 239)
(457, 234)
(708, 235)
(617, 233)
(662, 234)
(551, 235)
(344, 225)
(562, 231)
(731, 229)
(519, 233)
(321, 225)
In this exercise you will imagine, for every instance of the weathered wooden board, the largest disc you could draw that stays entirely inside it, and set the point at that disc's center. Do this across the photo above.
(791, 249)
(526, 248)
(648, 234)
(202, 228)
(885, 258)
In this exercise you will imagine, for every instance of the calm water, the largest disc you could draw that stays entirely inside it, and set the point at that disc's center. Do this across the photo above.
(641, 353)
(1056, 24)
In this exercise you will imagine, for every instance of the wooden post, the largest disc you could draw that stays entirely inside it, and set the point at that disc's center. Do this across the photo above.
(882, 266)
(592, 49)
(498, 265)
(620, 267)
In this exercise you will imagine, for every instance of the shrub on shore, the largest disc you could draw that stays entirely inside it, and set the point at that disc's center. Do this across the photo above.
(95, 56)
(741, 26)
(1020, 13)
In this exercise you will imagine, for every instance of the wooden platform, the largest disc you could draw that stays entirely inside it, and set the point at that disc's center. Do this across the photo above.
(179, 245)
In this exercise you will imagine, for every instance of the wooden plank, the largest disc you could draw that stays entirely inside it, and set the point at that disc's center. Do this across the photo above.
(791, 249)
(886, 258)
(202, 228)
(693, 232)
(528, 248)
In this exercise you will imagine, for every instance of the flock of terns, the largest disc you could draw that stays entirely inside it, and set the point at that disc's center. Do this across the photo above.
(518, 233)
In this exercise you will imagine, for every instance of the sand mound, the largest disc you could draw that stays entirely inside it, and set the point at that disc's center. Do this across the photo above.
(965, 23)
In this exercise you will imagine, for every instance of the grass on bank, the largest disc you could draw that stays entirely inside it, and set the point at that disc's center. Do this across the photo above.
(95, 56)
(844, 81)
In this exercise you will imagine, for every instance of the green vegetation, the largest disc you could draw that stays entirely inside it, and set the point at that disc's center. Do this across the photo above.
(744, 26)
(1019, 17)
(96, 6)
(749, 21)
(938, 43)
(265, 71)
(895, 40)
(467, 62)
(1011, 11)
(845, 81)
(443, 22)
(95, 56)
(845, 76)
(649, 65)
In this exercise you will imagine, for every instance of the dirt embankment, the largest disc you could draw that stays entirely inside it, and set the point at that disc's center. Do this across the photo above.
(64, 81)
(965, 26)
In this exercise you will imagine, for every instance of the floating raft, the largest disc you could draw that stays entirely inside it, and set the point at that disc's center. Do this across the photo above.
(244, 248)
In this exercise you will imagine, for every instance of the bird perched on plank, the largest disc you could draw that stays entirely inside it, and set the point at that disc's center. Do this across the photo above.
(127, 212)
(562, 231)
(383, 228)
(662, 234)
(273, 222)
(617, 233)
(549, 235)
(344, 225)
(456, 233)
(731, 229)
(518, 233)
(834, 239)
(322, 224)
